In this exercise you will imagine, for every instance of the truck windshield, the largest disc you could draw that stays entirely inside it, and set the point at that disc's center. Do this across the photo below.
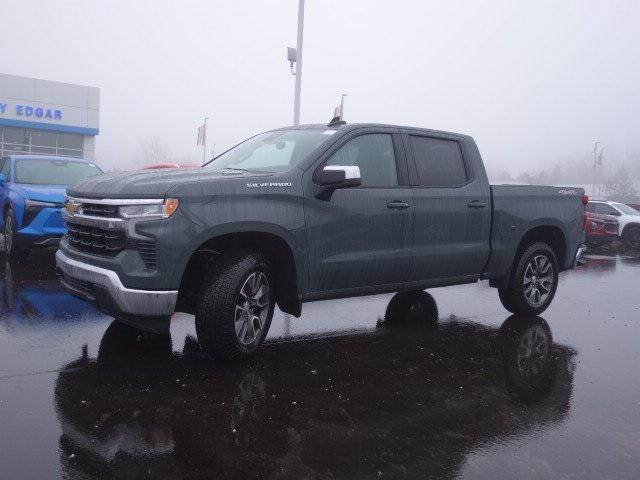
(272, 151)
(53, 172)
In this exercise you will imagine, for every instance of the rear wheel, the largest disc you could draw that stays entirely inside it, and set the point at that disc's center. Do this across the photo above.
(236, 306)
(533, 281)
(631, 237)
(11, 247)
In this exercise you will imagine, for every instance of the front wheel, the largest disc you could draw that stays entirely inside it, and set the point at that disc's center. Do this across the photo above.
(236, 306)
(11, 248)
(631, 237)
(533, 281)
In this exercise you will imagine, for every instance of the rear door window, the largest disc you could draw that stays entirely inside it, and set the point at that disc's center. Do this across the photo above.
(439, 162)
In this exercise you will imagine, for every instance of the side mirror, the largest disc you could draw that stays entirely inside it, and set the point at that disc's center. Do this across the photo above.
(337, 176)
(1, 178)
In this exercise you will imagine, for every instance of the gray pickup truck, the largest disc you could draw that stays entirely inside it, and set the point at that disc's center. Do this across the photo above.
(309, 213)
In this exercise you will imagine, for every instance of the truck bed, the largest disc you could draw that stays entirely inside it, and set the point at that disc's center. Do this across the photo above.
(517, 209)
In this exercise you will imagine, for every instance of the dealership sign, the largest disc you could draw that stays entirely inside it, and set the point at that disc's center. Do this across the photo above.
(29, 111)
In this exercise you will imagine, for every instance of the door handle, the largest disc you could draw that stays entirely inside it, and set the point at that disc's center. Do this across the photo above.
(397, 205)
(476, 204)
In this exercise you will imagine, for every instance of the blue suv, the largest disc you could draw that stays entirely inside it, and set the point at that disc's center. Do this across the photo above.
(32, 190)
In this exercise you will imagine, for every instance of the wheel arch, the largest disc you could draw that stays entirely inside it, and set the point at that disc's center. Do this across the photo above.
(280, 251)
(550, 234)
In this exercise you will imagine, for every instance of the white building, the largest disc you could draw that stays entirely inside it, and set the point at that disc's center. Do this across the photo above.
(49, 118)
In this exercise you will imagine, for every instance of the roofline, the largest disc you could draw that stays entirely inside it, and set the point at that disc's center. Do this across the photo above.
(354, 126)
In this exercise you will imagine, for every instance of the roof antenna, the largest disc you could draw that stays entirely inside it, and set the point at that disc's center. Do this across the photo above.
(338, 113)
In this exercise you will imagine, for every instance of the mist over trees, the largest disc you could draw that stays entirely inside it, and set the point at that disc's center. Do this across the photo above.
(617, 176)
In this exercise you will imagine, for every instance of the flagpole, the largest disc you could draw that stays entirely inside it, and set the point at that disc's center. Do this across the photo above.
(595, 163)
(204, 141)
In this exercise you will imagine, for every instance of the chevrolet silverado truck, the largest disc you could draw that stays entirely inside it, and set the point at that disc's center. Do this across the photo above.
(309, 213)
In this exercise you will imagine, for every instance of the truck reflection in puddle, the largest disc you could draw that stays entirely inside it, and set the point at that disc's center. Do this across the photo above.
(404, 399)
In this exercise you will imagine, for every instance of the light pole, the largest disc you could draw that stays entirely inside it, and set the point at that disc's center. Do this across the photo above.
(595, 163)
(298, 60)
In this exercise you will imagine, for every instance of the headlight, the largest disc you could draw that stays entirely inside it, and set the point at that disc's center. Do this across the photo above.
(37, 204)
(158, 210)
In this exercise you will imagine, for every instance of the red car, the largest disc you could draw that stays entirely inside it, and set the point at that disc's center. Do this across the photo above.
(172, 165)
(601, 229)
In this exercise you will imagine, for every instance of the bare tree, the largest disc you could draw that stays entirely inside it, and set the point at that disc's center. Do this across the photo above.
(621, 184)
(151, 151)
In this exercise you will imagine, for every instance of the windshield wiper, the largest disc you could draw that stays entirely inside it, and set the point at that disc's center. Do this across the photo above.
(236, 169)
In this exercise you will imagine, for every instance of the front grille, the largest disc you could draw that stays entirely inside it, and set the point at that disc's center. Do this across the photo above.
(97, 210)
(79, 285)
(96, 240)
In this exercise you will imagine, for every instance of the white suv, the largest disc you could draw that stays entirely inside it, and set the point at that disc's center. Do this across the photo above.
(628, 217)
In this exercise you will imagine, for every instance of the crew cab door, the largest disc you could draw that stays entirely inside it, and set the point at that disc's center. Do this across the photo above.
(360, 237)
(452, 207)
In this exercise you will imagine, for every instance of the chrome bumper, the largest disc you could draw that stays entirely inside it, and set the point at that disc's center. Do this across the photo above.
(579, 254)
(82, 280)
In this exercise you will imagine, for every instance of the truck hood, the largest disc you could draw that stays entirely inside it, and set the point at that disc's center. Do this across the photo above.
(42, 193)
(147, 183)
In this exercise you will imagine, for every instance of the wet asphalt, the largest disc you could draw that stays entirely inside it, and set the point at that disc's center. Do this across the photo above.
(455, 389)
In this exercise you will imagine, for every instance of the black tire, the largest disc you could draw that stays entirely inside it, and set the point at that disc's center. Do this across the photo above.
(216, 310)
(519, 299)
(631, 237)
(411, 309)
(11, 249)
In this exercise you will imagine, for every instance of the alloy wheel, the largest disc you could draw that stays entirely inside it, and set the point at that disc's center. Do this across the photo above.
(252, 308)
(538, 280)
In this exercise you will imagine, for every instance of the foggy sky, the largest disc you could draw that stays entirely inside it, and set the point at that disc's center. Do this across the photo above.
(531, 81)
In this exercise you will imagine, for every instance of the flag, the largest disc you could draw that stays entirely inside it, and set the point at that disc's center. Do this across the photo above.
(599, 162)
(202, 134)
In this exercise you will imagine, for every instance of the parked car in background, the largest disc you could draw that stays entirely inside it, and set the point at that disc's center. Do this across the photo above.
(32, 189)
(635, 206)
(171, 165)
(601, 229)
(628, 217)
(309, 213)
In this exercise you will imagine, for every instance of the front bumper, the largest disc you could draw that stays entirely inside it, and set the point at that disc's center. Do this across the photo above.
(38, 241)
(104, 288)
